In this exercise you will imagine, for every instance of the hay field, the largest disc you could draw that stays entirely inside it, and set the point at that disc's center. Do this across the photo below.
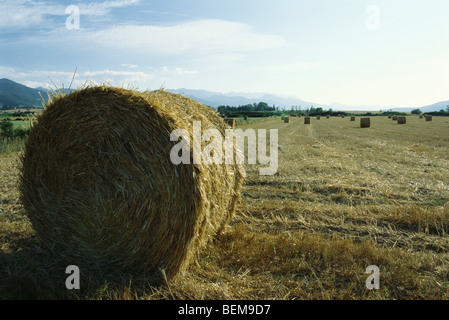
(344, 198)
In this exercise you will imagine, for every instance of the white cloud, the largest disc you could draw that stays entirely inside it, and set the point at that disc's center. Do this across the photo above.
(196, 37)
(23, 14)
(129, 65)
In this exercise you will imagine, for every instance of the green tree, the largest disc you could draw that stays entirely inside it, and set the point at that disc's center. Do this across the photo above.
(416, 111)
(6, 128)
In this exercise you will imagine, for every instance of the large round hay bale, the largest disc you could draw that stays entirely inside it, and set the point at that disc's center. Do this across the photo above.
(98, 183)
(402, 120)
(365, 122)
(428, 118)
(352, 118)
(286, 119)
(306, 120)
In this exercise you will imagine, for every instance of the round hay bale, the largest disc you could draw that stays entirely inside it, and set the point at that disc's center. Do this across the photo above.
(327, 117)
(365, 122)
(428, 118)
(306, 120)
(402, 120)
(98, 183)
(395, 118)
(286, 119)
(318, 117)
(352, 118)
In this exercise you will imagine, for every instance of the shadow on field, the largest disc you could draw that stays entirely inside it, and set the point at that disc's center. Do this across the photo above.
(28, 272)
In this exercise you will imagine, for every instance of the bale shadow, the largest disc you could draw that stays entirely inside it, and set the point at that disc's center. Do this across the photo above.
(29, 272)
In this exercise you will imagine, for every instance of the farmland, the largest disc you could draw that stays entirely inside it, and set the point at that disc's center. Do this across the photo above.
(344, 198)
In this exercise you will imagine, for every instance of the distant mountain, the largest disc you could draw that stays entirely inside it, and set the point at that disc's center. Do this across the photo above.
(15, 94)
(436, 106)
(215, 99)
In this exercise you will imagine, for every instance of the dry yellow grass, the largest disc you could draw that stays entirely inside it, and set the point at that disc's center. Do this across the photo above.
(343, 199)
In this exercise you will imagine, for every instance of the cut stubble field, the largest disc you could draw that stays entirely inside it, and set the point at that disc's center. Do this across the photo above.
(344, 198)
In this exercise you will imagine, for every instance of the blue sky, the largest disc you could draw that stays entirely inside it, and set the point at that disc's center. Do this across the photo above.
(355, 52)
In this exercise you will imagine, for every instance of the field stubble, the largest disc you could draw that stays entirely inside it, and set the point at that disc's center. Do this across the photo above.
(344, 198)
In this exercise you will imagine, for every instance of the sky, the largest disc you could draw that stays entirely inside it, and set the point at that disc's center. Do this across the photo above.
(353, 52)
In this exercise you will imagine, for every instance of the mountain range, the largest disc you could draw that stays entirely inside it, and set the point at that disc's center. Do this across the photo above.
(15, 94)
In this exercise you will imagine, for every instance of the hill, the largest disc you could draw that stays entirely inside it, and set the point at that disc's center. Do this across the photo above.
(16, 95)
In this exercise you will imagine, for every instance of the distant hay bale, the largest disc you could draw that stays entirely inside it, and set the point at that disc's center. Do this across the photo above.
(231, 122)
(421, 116)
(327, 117)
(318, 117)
(365, 122)
(389, 117)
(428, 118)
(353, 118)
(306, 120)
(395, 118)
(98, 183)
(402, 120)
(286, 119)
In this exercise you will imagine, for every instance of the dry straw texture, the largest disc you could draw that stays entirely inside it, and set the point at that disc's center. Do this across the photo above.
(98, 184)
(365, 122)
(428, 118)
(286, 119)
(318, 117)
(307, 120)
(395, 118)
(402, 120)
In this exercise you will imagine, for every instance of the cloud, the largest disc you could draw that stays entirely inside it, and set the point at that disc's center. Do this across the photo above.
(24, 14)
(129, 65)
(197, 37)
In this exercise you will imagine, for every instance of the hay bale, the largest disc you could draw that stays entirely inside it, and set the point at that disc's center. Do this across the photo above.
(286, 119)
(231, 122)
(352, 118)
(365, 122)
(389, 117)
(318, 117)
(428, 118)
(98, 183)
(327, 117)
(421, 116)
(402, 120)
(395, 118)
(306, 120)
